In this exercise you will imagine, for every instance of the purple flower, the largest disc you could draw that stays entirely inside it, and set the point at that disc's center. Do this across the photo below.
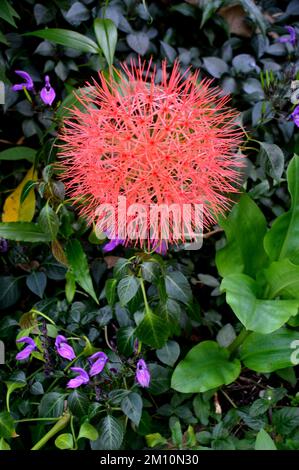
(82, 378)
(3, 245)
(159, 246)
(64, 349)
(98, 361)
(25, 353)
(28, 84)
(47, 93)
(295, 116)
(291, 38)
(143, 375)
(113, 244)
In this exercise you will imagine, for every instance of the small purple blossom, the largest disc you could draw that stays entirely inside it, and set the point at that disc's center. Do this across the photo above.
(113, 244)
(3, 245)
(82, 378)
(143, 375)
(47, 93)
(291, 38)
(26, 352)
(98, 361)
(28, 83)
(295, 116)
(64, 349)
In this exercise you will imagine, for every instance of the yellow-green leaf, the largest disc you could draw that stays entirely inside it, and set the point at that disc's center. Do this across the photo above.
(14, 210)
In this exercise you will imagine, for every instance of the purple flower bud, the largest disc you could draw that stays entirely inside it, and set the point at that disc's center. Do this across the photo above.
(64, 349)
(3, 245)
(82, 378)
(26, 352)
(143, 375)
(98, 361)
(47, 93)
(28, 84)
(291, 38)
(295, 116)
(113, 244)
(160, 246)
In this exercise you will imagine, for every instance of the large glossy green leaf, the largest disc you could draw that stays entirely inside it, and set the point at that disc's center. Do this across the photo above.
(264, 441)
(245, 229)
(6, 425)
(152, 330)
(78, 263)
(106, 34)
(205, 367)
(282, 279)
(18, 153)
(67, 38)
(267, 353)
(262, 316)
(23, 232)
(282, 239)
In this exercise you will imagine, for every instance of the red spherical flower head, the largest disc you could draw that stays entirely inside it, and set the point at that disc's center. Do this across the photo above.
(141, 156)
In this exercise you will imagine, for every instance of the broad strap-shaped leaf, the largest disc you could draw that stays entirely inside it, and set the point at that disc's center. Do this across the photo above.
(283, 279)
(67, 38)
(281, 240)
(18, 153)
(205, 367)
(267, 353)
(245, 229)
(106, 34)
(78, 263)
(262, 316)
(23, 232)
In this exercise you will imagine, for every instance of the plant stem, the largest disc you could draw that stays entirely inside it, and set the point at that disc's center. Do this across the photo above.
(147, 307)
(238, 341)
(36, 312)
(61, 423)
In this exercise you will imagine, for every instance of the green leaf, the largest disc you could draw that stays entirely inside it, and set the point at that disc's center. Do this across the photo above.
(6, 425)
(267, 353)
(78, 403)
(255, 14)
(177, 287)
(48, 220)
(18, 153)
(27, 190)
(67, 38)
(111, 435)
(245, 229)
(110, 291)
(10, 291)
(8, 13)
(264, 441)
(205, 367)
(12, 385)
(23, 232)
(152, 330)
(160, 379)
(276, 159)
(64, 441)
(125, 338)
(88, 431)
(106, 34)
(283, 279)
(155, 439)
(281, 240)
(131, 405)
(4, 445)
(262, 316)
(169, 353)
(36, 282)
(78, 262)
(72, 101)
(215, 66)
(127, 289)
(51, 405)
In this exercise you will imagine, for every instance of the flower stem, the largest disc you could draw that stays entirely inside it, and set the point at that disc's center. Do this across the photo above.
(147, 307)
(61, 423)
(232, 348)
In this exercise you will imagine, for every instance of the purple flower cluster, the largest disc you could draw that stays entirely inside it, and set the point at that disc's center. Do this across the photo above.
(291, 38)
(97, 362)
(295, 116)
(47, 93)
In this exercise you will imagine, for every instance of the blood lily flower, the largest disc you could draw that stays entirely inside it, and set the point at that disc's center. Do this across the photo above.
(26, 352)
(28, 83)
(82, 378)
(98, 361)
(143, 375)
(64, 349)
(166, 144)
(291, 37)
(47, 93)
(295, 116)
